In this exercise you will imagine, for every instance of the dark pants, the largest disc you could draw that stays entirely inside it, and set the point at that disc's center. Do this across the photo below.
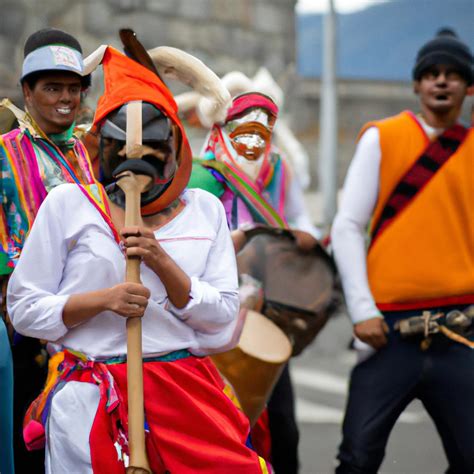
(30, 378)
(381, 387)
(6, 402)
(283, 427)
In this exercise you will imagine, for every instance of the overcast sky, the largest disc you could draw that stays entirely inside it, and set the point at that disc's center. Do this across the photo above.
(342, 6)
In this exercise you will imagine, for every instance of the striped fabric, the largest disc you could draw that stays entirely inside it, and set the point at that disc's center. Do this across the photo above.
(260, 209)
(264, 197)
(416, 178)
(30, 166)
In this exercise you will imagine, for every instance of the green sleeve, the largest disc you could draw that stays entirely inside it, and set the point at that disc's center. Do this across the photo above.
(5, 264)
(202, 178)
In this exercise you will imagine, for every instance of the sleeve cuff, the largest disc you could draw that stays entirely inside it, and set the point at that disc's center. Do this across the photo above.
(50, 326)
(195, 297)
(361, 319)
(57, 329)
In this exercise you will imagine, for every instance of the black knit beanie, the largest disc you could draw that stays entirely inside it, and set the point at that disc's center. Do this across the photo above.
(445, 48)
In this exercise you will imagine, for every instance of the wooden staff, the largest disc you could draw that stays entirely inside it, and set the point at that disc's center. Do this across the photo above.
(133, 185)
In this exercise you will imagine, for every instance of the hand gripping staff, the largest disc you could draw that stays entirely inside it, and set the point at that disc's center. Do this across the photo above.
(134, 177)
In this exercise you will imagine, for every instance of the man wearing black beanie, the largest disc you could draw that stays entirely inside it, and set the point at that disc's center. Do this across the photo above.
(410, 294)
(35, 157)
(445, 48)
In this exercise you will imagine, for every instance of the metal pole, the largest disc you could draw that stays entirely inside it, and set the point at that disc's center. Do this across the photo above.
(328, 119)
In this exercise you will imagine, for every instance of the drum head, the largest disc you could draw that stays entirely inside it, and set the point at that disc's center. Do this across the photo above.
(300, 287)
(302, 280)
(264, 340)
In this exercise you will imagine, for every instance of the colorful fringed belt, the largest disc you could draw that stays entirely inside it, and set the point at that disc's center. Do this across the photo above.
(68, 366)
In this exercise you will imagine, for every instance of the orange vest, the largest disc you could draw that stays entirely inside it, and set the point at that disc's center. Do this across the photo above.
(425, 257)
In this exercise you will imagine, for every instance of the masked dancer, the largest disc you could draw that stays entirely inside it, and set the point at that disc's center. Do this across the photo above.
(245, 170)
(188, 303)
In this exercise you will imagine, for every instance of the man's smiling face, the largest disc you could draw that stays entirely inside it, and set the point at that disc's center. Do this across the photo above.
(54, 100)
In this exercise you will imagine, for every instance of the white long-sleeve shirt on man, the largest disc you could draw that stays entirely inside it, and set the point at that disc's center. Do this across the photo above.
(72, 250)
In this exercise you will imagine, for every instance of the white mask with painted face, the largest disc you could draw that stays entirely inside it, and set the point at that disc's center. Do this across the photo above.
(250, 134)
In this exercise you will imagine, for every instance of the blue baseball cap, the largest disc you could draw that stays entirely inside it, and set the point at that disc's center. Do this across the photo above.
(51, 49)
(54, 57)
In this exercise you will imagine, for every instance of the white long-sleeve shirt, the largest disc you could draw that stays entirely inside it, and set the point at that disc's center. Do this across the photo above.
(349, 230)
(71, 250)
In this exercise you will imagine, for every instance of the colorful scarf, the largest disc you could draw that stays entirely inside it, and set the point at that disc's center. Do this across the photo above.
(65, 367)
(264, 197)
(30, 166)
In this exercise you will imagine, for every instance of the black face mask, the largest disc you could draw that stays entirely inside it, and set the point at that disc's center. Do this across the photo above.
(117, 196)
(110, 159)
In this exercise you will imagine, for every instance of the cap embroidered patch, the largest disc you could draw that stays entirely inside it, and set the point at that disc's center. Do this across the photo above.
(63, 56)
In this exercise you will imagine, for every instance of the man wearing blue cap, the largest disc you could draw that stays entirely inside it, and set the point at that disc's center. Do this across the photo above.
(35, 157)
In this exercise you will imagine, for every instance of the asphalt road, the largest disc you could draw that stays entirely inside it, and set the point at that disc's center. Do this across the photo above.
(320, 377)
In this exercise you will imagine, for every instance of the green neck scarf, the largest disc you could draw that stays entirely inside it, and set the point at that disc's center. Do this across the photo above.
(63, 139)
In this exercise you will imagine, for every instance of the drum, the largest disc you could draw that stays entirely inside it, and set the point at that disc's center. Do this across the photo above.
(253, 367)
(300, 288)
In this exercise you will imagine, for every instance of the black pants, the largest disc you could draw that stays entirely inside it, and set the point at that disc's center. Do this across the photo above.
(381, 387)
(283, 427)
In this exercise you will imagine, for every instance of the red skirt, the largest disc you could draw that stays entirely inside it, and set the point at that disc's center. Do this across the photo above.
(193, 426)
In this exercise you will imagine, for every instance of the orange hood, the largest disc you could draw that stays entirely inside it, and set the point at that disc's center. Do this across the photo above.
(126, 81)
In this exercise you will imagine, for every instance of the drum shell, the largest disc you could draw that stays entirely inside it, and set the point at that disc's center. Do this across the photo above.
(253, 375)
(251, 379)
